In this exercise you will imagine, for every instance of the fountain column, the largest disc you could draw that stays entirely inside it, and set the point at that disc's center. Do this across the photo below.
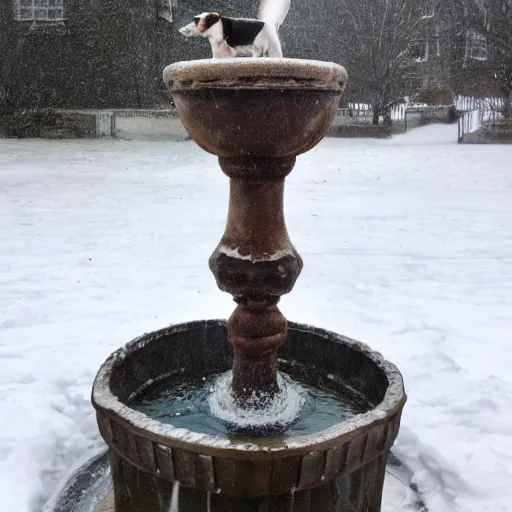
(256, 263)
(256, 115)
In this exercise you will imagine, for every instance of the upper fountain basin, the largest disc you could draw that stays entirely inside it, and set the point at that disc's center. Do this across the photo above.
(262, 108)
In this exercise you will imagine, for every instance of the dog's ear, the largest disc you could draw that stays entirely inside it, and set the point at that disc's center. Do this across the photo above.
(210, 19)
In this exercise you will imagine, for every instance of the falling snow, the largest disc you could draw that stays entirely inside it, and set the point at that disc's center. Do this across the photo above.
(407, 245)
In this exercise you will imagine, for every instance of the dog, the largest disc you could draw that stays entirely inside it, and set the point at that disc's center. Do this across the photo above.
(241, 37)
(235, 37)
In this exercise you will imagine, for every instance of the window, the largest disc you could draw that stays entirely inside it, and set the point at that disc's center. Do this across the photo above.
(167, 8)
(35, 10)
(437, 43)
(477, 45)
(428, 9)
(418, 50)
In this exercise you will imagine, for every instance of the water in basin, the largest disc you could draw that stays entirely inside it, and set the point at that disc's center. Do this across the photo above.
(309, 400)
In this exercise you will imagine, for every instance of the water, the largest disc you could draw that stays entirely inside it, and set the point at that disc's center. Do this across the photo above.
(292, 499)
(175, 497)
(308, 401)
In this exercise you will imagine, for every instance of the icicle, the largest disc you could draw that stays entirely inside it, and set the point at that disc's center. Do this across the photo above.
(175, 497)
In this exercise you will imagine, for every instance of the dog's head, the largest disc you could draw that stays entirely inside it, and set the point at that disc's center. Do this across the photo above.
(205, 25)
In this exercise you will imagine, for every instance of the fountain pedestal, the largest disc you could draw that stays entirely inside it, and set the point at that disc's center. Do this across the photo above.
(257, 116)
(256, 263)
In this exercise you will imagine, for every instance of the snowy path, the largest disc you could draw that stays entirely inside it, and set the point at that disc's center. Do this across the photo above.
(407, 245)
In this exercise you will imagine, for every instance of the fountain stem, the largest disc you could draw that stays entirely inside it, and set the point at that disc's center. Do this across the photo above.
(257, 264)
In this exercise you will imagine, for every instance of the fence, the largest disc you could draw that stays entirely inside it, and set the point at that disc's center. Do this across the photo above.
(490, 116)
(439, 113)
(468, 103)
(468, 123)
(365, 112)
(398, 112)
(360, 106)
(355, 112)
(105, 124)
(148, 124)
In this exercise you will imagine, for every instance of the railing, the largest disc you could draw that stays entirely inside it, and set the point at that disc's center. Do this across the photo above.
(437, 113)
(398, 112)
(467, 103)
(468, 123)
(360, 106)
(354, 112)
(490, 116)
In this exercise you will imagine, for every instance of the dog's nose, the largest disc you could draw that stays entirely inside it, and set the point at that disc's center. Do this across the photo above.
(187, 30)
(196, 20)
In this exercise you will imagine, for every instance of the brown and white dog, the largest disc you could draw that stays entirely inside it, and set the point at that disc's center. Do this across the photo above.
(241, 37)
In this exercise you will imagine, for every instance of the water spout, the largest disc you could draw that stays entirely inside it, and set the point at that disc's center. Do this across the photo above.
(175, 497)
(292, 499)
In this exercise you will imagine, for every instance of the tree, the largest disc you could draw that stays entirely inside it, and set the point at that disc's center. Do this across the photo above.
(378, 46)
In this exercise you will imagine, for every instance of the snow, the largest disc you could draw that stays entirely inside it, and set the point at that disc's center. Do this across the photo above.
(407, 246)
(234, 252)
(327, 75)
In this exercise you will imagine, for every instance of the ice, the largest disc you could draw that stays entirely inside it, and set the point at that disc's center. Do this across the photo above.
(406, 244)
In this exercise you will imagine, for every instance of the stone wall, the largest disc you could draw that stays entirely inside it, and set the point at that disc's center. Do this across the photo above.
(48, 124)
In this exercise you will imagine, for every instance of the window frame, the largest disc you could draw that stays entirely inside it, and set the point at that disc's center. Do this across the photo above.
(39, 13)
(479, 41)
(415, 43)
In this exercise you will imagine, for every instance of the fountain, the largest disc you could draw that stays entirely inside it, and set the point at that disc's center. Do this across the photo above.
(257, 116)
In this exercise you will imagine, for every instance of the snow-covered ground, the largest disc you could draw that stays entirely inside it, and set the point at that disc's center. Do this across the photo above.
(407, 245)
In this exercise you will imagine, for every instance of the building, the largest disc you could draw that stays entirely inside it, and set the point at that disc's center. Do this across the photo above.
(94, 53)
(111, 53)
(456, 48)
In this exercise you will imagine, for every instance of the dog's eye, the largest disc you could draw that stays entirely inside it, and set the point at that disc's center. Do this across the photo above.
(197, 19)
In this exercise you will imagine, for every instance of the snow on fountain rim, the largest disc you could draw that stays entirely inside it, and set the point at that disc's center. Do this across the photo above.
(104, 398)
(227, 69)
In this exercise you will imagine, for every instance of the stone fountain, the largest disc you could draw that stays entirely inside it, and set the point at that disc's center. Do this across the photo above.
(257, 116)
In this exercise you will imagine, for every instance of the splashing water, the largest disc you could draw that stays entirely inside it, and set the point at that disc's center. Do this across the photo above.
(273, 413)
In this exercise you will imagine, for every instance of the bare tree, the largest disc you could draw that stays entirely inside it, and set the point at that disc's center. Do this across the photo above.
(378, 49)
